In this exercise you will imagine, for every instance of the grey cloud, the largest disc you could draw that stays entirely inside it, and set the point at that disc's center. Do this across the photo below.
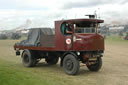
(18, 4)
(110, 16)
(45, 20)
(91, 3)
(123, 1)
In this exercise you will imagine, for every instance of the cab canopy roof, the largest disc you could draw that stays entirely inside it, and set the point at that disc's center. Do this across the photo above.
(82, 20)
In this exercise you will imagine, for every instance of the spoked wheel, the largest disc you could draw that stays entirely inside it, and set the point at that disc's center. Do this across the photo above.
(28, 58)
(71, 65)
(97, 66)
(52, 60)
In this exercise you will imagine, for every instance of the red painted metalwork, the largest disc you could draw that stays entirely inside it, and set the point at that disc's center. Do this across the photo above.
(88, 42)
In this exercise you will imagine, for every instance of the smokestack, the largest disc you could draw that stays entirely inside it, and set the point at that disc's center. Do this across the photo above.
(91, 16)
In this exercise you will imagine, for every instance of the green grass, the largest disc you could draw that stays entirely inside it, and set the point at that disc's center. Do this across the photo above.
(11, 75)
(115, 40)
(12, 71)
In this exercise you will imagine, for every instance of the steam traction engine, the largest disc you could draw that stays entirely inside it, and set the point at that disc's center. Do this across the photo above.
(74, 40)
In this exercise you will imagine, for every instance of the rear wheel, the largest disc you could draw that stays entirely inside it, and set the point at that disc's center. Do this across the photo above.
(96, 66)
(28, 58)
(52, 60)
(71, 64)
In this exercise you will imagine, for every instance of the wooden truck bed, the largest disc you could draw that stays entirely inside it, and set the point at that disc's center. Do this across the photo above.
(34, 48)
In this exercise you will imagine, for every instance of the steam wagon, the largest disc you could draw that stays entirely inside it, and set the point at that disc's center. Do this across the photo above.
(74, 41)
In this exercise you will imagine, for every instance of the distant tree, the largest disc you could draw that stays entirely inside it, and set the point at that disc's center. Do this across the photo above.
(126, 28)
(108, 33)
(120, 33)
(104, 30)
(15, 36)
(3, 36)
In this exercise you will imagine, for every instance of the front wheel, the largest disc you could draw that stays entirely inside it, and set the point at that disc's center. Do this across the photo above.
(71, 64)
(96, 66)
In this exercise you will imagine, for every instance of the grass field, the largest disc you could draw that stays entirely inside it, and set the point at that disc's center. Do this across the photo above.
(113, 72)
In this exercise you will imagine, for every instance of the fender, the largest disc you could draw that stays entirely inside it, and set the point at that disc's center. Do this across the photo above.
(22, 53)
(25, 50)
(66, 53)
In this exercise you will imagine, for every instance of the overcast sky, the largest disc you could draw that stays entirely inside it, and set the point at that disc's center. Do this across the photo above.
(43, 13)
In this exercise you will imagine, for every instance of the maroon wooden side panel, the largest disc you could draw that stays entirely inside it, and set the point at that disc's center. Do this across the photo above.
(47, 41)
(59, 37)
(34, 48)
